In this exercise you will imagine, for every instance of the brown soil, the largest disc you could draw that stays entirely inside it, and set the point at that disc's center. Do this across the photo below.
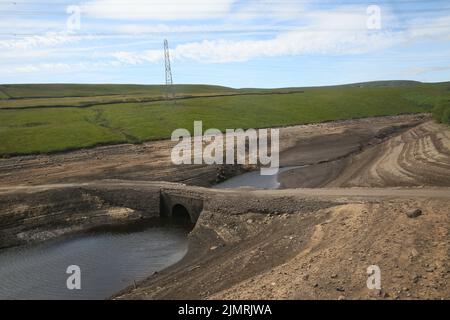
(149, 161)
(335, 251)
(416, 157)
(321, 251)
(309, 243)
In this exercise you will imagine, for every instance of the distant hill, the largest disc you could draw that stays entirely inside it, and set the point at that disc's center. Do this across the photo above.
(89, 90)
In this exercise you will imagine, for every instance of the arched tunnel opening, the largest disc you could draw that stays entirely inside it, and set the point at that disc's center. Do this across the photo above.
(180, 215)
(181, 209)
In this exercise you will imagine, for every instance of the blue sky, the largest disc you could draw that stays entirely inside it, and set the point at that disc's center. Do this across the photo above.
(238, 43)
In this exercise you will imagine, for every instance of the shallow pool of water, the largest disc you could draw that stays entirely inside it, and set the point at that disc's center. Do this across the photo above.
(109, 261)
(253, 179)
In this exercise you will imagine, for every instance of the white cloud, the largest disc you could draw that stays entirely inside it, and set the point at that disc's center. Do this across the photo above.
(17, 25)
(54, 67)
(436, 28)
(137, 58)
(48, 39)
(257, 9)
(290, 43)
(59, 67)
(157, 9)
(331, 32)
(334, 34)
(423, 70)
(200, 28)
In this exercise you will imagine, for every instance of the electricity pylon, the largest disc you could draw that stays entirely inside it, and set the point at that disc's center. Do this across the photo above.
(170, 94)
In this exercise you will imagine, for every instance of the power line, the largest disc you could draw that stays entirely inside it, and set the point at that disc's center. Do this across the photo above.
(242, 30)
(63, 13)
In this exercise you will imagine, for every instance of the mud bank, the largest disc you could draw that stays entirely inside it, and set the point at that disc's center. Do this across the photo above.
(32, 215)
(150, 161)
(415, 157)
(294, 244)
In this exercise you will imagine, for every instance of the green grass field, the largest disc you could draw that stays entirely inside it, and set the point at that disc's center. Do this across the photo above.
(441, 111)
(48, 118)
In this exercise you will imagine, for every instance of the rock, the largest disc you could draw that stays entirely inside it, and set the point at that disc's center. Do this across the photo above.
(334, 275)
(414, 213)
(250, 221)
(213, 248)
(340, 289)
(341, 298)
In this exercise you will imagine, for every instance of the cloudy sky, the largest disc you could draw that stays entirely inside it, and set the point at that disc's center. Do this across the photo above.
(238, 43)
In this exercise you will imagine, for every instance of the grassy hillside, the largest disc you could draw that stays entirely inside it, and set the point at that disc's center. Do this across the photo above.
(441, 112)
(57, 124)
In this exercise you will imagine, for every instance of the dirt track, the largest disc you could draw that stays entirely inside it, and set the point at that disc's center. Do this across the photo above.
(418, 157)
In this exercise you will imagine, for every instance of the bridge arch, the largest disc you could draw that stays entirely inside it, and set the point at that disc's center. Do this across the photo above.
(180, 214)
(179, 206)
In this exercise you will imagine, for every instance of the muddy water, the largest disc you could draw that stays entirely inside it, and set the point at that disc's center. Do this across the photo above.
(109, 260)
(253, 179)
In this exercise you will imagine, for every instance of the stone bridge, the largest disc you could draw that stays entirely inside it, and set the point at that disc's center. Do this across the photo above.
(180, 205)
(167, 200)
(99, 203)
